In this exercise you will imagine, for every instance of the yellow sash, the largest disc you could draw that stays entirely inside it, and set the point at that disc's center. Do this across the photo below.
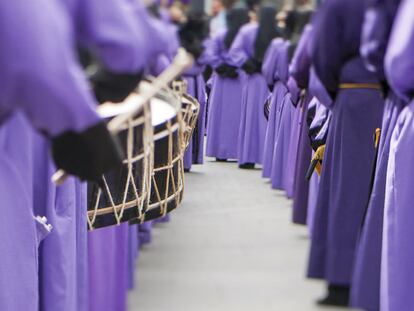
(350, 86)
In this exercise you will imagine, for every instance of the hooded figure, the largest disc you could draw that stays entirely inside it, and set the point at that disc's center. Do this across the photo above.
(397, 273)
(350, 151)
(248, 52)
(43, 88)
(379, 17)
(226, 93)
(301, 72)
(276, 72)
(121, 52)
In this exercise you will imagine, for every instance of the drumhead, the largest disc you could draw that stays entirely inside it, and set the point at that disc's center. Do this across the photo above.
(161, 111)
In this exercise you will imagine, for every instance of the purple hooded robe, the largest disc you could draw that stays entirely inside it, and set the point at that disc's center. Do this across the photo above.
(252, 129)
(51, 95)
(356, 113)
(365, 293)
(276, 72)
(224, 105)
(397, 271)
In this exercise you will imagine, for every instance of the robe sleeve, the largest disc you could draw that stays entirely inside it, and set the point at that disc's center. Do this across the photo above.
(399, 61)
(327, 55)
(283, 63)
(238, 54)
(300, 65)
(338, 28)
(40, 75)
(215, 50)
(205, 57)
(270, 62)
(110, 28)
(375, 32)
(317, 89)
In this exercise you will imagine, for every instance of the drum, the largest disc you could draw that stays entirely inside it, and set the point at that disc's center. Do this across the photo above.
(123, 194)
(167, 181)
(190, 109)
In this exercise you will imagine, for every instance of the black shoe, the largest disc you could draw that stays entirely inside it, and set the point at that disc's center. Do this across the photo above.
(186, 170)
(247, 166)
(221, 160)
(337, 296)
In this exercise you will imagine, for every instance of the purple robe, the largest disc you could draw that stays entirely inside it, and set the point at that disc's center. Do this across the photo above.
(224, 106)
(92, 20)
(19, 263)
(276, 71)
(252, 129)
(292, 151)
(196, 88)
(321, 100)
(356, 113)
(367, 269)
(397, 272)
(50, 83)
(108, 268)
(300, 70)
(280, 158)
(125, 48)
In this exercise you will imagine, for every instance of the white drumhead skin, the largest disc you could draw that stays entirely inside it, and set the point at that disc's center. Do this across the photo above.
(161, 111)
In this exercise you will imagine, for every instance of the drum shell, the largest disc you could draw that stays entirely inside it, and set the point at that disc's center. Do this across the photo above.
(116, 190)
(167, 181)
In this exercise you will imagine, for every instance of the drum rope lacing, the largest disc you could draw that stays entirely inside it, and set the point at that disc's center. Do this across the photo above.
(118, 210)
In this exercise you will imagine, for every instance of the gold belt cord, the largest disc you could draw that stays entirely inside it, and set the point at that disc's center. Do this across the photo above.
(349, 86)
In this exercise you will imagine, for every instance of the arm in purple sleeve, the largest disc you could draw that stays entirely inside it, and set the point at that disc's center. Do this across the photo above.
(110, 28)
(375, 32)
(276, 62)
(270, 61)
(40, 74)
(399, 61)
(215, 50)
(327, 54)
(238, 54)
(41, 78)
(338, 28)
(300, 65)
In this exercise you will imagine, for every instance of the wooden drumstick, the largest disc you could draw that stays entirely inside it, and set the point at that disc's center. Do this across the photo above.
(181, 62)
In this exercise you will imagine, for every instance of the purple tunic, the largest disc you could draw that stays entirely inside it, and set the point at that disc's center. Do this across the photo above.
(196, 88)
(224, 106)
(300, 70)
(367, 269)
(50, 84)
(276, 71)
(346, 172)
(252, 129)
(397, 271)
(125, 48)
(280, 159)
(94, 18)
(109, 278)
(321, 100)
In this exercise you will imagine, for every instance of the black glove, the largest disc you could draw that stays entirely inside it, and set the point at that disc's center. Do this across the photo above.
(192, 34)
(227, 71)
(88, 154)
(113, 87)
(252, 66)
(385, 88)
